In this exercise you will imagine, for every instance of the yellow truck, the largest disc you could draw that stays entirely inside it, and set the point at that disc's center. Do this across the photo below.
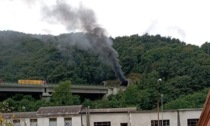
(33, 82)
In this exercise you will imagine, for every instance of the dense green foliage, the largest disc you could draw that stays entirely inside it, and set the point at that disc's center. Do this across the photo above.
(26, 57)
(61, 96)
(147, 100)
(195, 100)
(183, 68)
(20, 102)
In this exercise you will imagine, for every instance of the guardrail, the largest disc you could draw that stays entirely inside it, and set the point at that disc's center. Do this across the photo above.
(12, 83)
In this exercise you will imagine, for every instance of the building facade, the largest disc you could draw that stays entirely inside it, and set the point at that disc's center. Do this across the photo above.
(126, 117)
(80, 116)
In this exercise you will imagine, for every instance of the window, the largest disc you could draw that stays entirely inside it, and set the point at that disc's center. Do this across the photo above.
(33, 122)
(192, 122)
(102, 124)
(67, 122)
(155, 123)
(123, 124)
(53, 122)
(16, 122)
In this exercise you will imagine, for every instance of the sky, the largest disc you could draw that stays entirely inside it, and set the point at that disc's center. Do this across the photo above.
(187, 20)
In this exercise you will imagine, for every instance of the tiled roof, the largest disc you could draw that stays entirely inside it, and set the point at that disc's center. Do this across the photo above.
(19, 115)
(59, 110)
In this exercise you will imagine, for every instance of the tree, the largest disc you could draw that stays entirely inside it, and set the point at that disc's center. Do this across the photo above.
(194, 100)
(62, 95)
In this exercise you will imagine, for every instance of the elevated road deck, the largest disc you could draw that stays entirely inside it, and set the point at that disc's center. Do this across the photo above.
(46, 89)
(14, 87)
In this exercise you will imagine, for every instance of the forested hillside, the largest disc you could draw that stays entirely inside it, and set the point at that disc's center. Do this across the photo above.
(43, 57)
(184, 69)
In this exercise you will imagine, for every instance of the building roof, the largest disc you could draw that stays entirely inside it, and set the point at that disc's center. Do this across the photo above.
(112, 110)
(59, 110)
(19, 115)
(134, 110)
(55, 111)
(205, 115)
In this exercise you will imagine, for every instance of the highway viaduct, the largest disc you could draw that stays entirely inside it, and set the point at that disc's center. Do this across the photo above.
(45, 90)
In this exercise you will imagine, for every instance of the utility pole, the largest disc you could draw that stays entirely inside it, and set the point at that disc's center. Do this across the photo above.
(158, 99)
(162, 107)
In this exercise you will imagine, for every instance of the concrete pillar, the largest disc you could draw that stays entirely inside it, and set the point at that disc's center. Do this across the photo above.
(46, 96)
(114, 91)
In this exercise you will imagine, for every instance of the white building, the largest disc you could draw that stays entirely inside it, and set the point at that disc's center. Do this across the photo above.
(80, 116)
(131, 117)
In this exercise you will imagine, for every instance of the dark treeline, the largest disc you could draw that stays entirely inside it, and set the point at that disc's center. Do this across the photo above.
(183, 68)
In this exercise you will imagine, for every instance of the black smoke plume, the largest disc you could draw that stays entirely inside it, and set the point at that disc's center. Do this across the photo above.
(95, 39)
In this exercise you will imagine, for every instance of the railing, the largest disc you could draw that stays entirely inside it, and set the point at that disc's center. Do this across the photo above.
(53, 84)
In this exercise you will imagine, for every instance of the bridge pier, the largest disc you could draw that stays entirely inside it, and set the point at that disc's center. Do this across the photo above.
(114, 91)
(46, 96)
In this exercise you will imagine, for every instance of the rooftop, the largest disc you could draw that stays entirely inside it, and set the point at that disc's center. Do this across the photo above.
(19, 115)
(59, 110)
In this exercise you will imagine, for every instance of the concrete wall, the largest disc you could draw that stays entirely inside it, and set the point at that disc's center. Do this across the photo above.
(25, 122)
(133, 118)
(114, 118)
(76, 121)
(188, 114)
(143, 118)
(44, 121)
(60, 121)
